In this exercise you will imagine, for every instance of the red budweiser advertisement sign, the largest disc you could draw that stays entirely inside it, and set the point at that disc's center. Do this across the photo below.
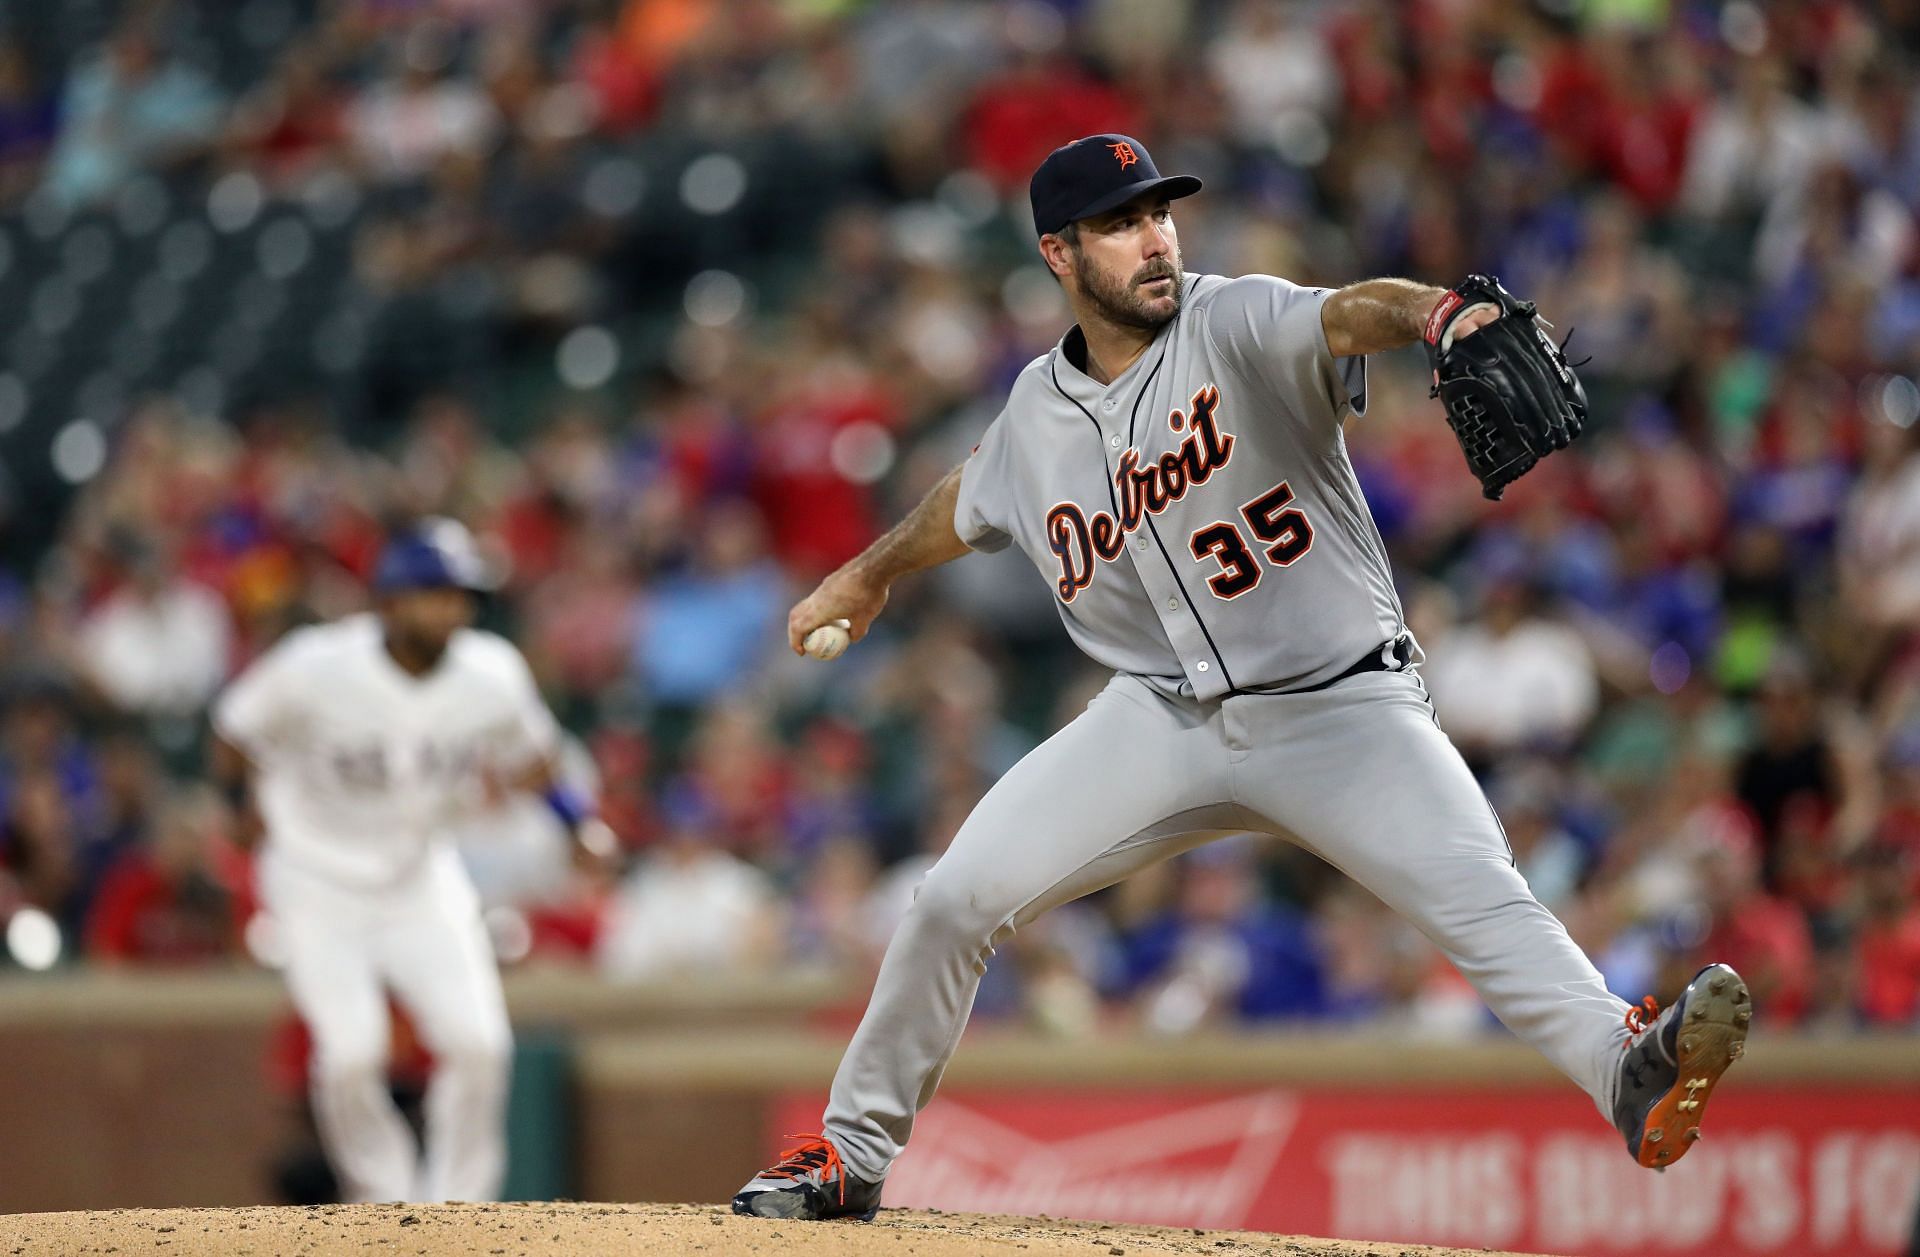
(1798, 1170)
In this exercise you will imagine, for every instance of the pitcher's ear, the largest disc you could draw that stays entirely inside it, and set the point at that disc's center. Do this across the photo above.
(1057, 253)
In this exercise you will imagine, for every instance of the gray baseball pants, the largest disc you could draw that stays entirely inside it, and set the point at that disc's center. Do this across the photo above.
(1359, 773)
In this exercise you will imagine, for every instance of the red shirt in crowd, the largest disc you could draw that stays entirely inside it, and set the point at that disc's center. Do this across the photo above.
(145, 913)
(1021, 116)
(817, 516)
(1889, 993)
(1766, 939)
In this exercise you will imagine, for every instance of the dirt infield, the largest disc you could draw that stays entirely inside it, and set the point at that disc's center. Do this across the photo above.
(650, 1230)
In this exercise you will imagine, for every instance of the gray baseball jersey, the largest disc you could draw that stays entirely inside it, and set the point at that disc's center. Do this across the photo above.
(1198, 517)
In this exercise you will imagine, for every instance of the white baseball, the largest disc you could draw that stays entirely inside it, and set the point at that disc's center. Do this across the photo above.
(827, 641)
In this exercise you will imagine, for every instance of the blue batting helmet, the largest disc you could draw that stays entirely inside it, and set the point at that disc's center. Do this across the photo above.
(436, 553)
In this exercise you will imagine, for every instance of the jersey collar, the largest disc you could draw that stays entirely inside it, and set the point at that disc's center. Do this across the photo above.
(1071, 351)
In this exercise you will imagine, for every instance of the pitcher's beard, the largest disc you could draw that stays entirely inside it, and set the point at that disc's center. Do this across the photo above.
(1121, 301)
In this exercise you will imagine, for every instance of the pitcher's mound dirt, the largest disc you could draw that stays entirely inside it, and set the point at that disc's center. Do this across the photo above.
(539, 1230)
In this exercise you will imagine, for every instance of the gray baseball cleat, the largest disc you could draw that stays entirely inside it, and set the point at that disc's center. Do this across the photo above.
(809, 1182)
(1674, 1060)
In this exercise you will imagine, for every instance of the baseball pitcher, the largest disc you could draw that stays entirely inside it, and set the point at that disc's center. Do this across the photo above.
(367, 741)
(1176, 468)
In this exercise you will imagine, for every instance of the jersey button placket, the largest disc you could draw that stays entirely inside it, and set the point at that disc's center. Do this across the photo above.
(1160, 579)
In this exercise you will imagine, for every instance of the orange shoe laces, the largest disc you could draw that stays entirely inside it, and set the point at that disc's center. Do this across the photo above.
(1640, 1019)
(813, 1152)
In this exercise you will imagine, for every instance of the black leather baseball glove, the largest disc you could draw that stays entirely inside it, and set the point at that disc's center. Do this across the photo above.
(1511, 396)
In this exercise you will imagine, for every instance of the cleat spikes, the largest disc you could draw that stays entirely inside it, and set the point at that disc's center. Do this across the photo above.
(1667, 1076)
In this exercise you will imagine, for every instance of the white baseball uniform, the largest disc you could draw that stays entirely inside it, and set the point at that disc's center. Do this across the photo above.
(363, 769)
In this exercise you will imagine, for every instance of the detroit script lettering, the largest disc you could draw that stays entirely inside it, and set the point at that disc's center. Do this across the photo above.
(1140, 491)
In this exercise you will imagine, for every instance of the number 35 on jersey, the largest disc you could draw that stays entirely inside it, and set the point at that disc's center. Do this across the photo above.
(1141, 491)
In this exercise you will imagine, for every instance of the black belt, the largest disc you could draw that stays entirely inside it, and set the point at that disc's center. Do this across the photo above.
(1393, 656)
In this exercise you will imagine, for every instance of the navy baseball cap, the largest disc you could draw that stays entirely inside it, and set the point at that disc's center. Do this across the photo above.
(436, 554)
(1093, 175)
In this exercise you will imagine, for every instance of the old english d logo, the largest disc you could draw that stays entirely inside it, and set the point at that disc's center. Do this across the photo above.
(1124, 154)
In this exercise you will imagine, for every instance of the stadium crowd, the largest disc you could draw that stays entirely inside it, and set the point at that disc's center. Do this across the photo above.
(1681, 656)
